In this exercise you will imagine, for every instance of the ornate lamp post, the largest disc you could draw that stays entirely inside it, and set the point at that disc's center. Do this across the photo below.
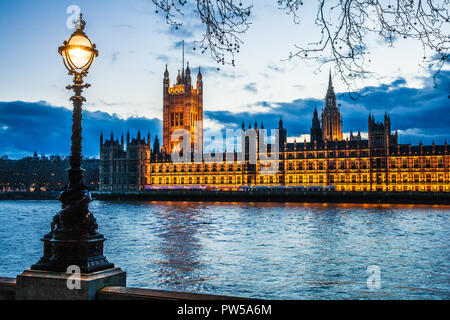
(73, 239)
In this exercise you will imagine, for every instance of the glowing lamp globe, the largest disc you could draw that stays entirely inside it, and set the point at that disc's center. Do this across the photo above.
(78, 51)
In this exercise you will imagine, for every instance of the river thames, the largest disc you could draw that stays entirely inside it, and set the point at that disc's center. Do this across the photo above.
(258, 250)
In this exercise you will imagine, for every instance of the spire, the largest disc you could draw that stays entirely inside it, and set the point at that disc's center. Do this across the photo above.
(182, 61)
(199, 75)
(188, 71)
(330, 83)
(243, 125)
(280, 123)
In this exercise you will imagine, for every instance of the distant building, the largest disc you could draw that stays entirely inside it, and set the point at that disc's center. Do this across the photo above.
(353, 164)
(43, 173)
(122, 166)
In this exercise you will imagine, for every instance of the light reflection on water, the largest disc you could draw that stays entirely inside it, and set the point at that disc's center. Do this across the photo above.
(262, 250)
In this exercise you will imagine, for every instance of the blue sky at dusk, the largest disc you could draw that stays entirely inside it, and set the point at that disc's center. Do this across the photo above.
(135, 44)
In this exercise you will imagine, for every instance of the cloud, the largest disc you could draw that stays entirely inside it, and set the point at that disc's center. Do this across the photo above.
(251, 87)
(114, 56)
(125, 26)
(181, 33)
(417, 114)
(47, 128)
(212, 72)
(275, 68)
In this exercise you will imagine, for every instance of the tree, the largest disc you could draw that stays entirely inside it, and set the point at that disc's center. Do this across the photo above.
(343, 30)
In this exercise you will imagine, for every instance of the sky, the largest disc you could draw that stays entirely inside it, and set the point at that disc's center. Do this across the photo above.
(135, 44)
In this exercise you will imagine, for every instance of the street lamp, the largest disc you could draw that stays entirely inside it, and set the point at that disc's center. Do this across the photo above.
(73, 238)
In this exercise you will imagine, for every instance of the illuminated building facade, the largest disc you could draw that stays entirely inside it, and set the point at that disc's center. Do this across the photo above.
(183, 109)
(379, 163)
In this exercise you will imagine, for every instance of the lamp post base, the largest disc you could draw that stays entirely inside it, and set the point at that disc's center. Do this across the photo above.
(73, 239)
(50, 285)
(86, 254)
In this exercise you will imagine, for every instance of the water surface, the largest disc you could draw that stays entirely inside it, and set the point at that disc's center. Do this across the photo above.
(260, 250)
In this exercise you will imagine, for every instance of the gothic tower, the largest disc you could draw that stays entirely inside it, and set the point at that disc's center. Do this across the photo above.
(331, 116)
(183, 109)
(316, 131)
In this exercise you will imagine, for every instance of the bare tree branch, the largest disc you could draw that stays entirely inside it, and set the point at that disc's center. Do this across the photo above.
(345, 28)
(224, 20)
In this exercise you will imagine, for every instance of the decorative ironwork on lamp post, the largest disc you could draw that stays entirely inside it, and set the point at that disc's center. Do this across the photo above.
(73, 238)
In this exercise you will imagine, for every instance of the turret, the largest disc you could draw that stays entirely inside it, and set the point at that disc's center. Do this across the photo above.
(199, 81)
(101, 141)
(156, 145)
(166, 74)
(282, 133)
(187, 80)
(166, 81)
(316, 131)
(178, 77)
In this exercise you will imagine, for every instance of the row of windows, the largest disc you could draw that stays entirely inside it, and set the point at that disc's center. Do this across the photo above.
(306, 165)
(196, 180)
(302, 179)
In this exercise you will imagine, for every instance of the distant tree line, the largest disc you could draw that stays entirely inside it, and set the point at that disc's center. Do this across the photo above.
(42, 173)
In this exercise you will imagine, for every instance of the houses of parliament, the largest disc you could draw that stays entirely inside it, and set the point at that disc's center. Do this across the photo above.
(378, 163)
